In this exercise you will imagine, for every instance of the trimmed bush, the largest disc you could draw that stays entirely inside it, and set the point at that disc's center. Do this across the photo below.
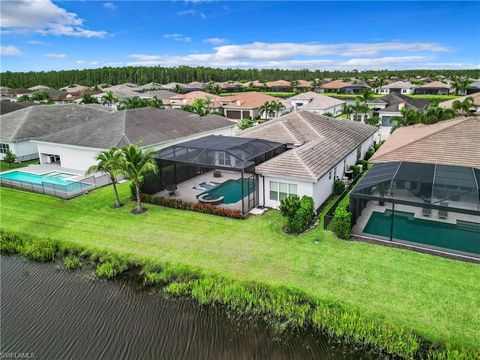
(184, 205)
(364, 163)
(355, 169)
(369, 154)
(299, 212)
(342, 219)
(338, 187)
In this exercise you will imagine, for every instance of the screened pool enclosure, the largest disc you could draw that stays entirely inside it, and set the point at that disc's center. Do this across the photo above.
(428, 205)
(228, 161)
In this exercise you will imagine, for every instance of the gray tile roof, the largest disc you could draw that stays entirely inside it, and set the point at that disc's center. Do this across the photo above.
(393, 100)
(35, 121)
(7, 106)
(324, 142)
(317, 101)
(150, 126)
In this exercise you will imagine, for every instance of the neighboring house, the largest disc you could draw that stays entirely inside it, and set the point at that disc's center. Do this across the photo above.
(148, 87)
(473, 88)
(433, 88)
(476, 102)
(76, 147)
(255, 84)
(423, 189)
(19, 128)
(304, 84)
(316, 103)
(279, 85)
(20, 92)
(229, 86)
(178, 100)
(173, 85)
(7, 106)
(336, 86)
(195, 86)
(321, 149)
(38, 87)
(74, 88)
(398, 87)
(159, 94)
(7, 93)
(246, 104)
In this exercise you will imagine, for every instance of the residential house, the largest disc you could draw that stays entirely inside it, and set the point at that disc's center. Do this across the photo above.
(304, 85)
(279, 85)
(473, 88)
(476, 102)
(195, 86)
(230, 86)
(178, 100)
(316, 103)
(19, 128)
(38, 87)
(7, 106)
(336, 86)
(246, 105)
(398, 87)
(433, 88)
(423, 190)
(7, 93)
(159, 94)
(76, 147)
(320, 150)
(173, 86)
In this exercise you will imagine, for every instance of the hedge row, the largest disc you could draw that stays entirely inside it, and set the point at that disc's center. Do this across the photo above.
(184, 205)
(342, 219)
(282, 307)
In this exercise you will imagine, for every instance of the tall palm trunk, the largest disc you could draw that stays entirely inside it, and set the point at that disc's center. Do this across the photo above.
(138, 207)
(115, 190)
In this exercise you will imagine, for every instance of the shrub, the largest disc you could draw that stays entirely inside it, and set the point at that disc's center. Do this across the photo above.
(245, 124)
(364, 163)
(198, 207)
(338, 187)
(303, 215)
(355, 169)
(72, 262)
(10, 243)
(342, 219)
(369, 154)
(42, 250)
(111, 267)
(289, 206)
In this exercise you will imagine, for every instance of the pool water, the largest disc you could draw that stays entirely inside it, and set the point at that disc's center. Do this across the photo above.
(53, 180)
(231, 190)
(463, 236)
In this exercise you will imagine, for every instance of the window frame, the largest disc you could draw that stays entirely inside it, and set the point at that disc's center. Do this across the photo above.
(275, 188)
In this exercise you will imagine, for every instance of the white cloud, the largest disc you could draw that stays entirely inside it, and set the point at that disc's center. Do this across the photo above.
(192, 12)
(10, 50)
(56, 56)
(35, 42)
(95, 62)
(80, 62)
(178, 37)
(215, 40)
(144, 57)
(114, 63)
(44, 17)
(110, 6)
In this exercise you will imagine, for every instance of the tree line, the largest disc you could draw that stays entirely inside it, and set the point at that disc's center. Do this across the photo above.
(184, 74)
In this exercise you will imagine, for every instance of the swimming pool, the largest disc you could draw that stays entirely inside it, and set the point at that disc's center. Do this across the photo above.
(463, 236)
(231, 190)
(53, 180)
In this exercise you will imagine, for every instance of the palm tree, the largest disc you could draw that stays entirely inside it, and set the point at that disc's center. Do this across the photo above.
(137, 162)
(178, 89)
(294, 84)
(109, 162)
(277, 106)
(89, 99)
(460, 84)
(436, 113)
(264, 85)
(131, 103)
(109, 99)
(316, 84)
(265, 109)
(346, 109)
(366, 95)
(359, 108)
(463, 107)
(213, 88)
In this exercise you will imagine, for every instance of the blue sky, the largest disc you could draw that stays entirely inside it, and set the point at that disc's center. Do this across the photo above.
(46, 35)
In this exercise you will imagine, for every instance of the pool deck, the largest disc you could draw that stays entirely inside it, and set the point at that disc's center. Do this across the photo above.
(42, 169)
(187, 192)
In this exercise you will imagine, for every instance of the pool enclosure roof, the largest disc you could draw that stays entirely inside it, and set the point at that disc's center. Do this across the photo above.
(226, 152)
(426, 185)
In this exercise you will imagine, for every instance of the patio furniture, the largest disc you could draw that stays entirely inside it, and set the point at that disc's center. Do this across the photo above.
(443, 214)
(427, 212)
(197, 186)
(171, 189)
(217, 174)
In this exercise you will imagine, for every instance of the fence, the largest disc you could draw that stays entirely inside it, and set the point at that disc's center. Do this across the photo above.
(328, 217)
(68, 191)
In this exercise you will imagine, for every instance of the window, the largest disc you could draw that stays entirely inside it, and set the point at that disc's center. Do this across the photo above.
(329, 174)
(280, 190)
(359, 153)
(4, 148)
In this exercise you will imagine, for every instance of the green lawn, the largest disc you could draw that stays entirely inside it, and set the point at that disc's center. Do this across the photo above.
(4, 166)
(436, 297)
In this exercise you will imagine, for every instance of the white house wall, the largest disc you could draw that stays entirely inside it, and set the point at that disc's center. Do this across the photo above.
(25, 149)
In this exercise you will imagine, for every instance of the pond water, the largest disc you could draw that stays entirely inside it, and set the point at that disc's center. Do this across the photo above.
(53, 314)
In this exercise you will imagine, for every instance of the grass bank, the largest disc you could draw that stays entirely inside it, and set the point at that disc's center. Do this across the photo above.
(435, 300)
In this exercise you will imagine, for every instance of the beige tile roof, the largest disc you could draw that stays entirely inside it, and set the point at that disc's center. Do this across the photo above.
(321, 142)
(434, 85)
(317, 101)
(450, 142)
(336, 84)
(449, 103)
(188, 98)
(278, 83)
(248, 100)
(398, 85)
(304, 83)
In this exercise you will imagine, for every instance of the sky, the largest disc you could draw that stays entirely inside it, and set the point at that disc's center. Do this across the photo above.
(54, 35)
